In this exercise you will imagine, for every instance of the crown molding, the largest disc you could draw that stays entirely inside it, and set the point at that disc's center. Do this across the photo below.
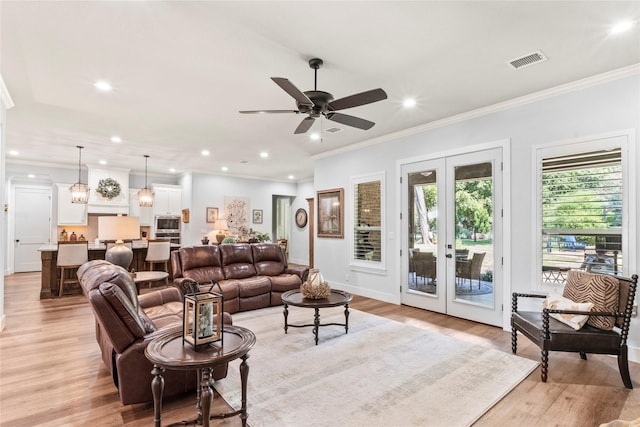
(581, 84)
(4, 95)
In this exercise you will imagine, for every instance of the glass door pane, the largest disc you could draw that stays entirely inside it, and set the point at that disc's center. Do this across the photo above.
(423, 231)
(474, 233)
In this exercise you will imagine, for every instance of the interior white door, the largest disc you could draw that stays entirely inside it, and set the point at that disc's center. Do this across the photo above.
(452, 229)
(32, 226)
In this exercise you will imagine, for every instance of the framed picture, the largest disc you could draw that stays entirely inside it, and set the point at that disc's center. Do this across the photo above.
(212, 214)
(257, 216)
(185, 216)
(331, 213)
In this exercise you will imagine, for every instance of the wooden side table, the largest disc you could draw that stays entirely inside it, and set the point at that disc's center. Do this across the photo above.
(148, 276)
(169, 352)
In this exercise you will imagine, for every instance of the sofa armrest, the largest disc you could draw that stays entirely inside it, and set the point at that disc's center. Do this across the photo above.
(160, 297)
(302, 272)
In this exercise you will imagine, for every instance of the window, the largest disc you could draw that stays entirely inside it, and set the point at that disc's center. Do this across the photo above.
(367, 217)
(583, 214)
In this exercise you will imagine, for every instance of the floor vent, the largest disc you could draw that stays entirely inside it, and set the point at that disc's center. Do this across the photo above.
(333, 130)
(525, 61)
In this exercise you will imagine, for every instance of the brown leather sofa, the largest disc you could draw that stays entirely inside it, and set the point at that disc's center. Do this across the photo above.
(251, 276)
(126, 323)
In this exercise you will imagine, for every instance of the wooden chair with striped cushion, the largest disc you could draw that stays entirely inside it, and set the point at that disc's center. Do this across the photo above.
(605, 332)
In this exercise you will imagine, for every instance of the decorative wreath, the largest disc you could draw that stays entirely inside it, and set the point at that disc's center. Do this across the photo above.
(108, 188)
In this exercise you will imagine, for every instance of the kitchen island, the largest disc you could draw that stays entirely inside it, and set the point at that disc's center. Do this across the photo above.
(49, 256)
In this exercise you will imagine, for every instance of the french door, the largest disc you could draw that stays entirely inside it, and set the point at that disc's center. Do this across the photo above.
(452, 234)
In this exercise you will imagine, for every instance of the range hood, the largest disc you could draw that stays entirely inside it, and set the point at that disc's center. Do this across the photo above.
(99, 204)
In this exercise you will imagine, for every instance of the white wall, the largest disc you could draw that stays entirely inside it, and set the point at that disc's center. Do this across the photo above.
(587, 110)
(5, 103)
(299, 240)
(210, 191)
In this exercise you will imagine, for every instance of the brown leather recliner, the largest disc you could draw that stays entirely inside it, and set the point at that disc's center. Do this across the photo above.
(126, 323)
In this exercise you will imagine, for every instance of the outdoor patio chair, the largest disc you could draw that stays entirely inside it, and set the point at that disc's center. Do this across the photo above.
(470, 268)
(425, 266)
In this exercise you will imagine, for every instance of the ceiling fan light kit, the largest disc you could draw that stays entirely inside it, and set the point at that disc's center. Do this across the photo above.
(316, 103)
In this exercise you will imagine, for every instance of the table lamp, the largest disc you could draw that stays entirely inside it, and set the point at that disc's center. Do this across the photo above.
(221, 226)
(119, 228)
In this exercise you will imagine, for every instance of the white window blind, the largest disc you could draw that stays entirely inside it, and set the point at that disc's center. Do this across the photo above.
(581, 213)
(367, 233)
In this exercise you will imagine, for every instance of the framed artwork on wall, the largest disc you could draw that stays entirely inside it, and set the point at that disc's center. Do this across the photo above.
(331, 213)
(257, 216)
(212, 214)
(185, 216)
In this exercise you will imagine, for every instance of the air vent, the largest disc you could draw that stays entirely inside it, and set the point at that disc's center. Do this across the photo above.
(333, 130)
(525, 61)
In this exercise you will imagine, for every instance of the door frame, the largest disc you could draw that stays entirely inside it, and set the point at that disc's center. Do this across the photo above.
(505, 145)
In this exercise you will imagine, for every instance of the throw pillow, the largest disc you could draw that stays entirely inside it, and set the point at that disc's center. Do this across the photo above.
(558, 302)
(600, 289)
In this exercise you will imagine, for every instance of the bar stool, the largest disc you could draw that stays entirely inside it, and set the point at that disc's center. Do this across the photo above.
(71, 255)
(158, 252)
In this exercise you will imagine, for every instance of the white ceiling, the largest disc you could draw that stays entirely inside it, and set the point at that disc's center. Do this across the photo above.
(182, 70)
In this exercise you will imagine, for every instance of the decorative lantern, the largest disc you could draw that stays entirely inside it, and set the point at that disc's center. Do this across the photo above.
(199, 326)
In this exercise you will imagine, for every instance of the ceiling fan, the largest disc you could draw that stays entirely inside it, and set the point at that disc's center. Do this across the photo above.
(317, 103)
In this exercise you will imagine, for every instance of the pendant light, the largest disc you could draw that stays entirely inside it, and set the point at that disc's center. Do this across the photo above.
(79, 191)
(145, 196)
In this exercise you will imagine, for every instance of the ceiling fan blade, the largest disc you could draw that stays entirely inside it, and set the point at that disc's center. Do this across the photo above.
(358, 99)
(290, 88)
(348, 120)
(268, 111)
(305, 125)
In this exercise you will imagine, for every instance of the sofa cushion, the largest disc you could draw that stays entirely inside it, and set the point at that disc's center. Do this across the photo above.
(284, 282)
(201, 263)
(600, 289)
(237, 261)
(253, 286)
(268, 259)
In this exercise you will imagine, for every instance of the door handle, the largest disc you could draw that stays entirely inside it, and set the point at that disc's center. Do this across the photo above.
(449, 256)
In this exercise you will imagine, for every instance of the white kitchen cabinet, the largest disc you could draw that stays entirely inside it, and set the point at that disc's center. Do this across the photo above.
(168, 200)
(144, 213)
(70, 213)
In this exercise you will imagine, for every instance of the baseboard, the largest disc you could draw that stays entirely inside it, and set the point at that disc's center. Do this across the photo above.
(391, 298)
(298, 261)
(634, 354)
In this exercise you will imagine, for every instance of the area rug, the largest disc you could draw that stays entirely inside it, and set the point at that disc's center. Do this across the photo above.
(382, 373)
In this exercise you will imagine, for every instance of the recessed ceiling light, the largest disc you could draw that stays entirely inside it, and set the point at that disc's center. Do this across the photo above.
(103, 86)
(264, 155)
(13, 152)
(103, 162)
(116, 139)
(224, 169)
(409, 103)
(172, 170)
(31, 175)
(314, 136)
(621, 27)
(205, 152)
(291, 177)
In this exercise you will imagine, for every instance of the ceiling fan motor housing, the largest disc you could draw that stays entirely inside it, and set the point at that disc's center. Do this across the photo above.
(320, 101)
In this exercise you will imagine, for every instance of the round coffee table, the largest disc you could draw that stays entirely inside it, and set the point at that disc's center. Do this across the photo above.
(335, 299)
(169, 352)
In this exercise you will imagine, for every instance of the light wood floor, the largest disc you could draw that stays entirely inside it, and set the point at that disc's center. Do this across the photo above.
(51, 372)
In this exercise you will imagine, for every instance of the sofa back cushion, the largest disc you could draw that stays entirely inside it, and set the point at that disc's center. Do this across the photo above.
(268, 259)
(201, 263)
(237, 261)
(123, 307)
